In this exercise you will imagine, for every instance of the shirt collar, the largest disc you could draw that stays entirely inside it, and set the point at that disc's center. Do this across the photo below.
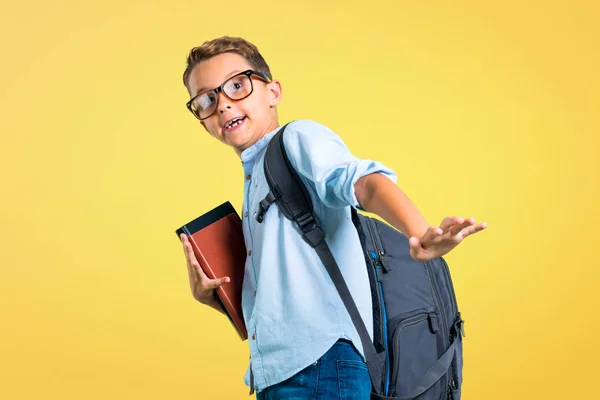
(256, 148)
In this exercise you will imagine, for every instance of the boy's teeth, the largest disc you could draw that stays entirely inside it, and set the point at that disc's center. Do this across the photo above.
(237, 122)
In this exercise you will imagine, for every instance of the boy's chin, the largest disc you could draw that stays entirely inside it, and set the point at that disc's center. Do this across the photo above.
(238, 139)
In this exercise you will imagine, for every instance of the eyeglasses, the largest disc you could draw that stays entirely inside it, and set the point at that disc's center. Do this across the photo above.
(238, 87)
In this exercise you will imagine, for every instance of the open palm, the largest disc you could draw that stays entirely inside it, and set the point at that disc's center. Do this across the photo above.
(438, 241)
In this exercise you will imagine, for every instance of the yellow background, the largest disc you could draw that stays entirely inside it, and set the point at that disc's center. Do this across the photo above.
(483, 109)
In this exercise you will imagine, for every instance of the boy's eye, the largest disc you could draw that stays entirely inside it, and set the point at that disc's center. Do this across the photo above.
(237, 85)
(205, 101)
(233, 86)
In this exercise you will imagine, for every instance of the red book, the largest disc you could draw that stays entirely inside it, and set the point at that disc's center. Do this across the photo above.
(218, 243)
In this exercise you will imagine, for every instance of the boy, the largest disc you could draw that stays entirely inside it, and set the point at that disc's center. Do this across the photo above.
(302, 341)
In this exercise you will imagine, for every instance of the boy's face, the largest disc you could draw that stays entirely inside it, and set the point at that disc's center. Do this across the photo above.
(257, 111)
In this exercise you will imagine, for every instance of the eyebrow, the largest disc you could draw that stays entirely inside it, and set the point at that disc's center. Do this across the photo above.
(226, 77)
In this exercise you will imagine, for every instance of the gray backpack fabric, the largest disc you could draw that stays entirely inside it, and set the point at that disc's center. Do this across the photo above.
(416, 352)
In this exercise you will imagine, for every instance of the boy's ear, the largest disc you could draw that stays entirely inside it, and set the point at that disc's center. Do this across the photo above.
(275, 93)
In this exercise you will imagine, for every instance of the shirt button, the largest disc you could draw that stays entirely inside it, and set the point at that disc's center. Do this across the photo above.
(255, 293)
(248, 177)
(249, 252)
(245, 214)
(253, 336)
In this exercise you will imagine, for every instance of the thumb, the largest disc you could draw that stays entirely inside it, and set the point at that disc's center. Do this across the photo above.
(215, 283)
(414, 242)
(416, 250)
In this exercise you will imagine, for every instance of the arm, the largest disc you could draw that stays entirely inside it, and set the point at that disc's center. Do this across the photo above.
(377, 194)
(341, 179)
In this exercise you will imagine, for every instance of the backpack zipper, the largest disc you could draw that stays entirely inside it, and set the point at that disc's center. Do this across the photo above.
(453, 381)
(383, 318)
(438, 301)
(438, 298)
(375, 258)
(378, 245)
(450, 285)
(407, 322)
(378, 291)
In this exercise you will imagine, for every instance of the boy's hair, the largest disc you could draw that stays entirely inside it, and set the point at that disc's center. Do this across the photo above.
(225, 44)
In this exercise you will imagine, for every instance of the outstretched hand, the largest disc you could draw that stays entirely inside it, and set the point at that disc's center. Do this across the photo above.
(438, 241)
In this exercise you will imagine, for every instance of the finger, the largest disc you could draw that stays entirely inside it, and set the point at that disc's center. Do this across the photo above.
(186, 247)
(455, 229)
(184, 242)
(473, 229)
(193, 272)
(448, 222)
(195, 265)
(415, 248)
(189, 251)
(215, 283)
(414, 242)
(431, 235)
(192, 262)
(184, 239)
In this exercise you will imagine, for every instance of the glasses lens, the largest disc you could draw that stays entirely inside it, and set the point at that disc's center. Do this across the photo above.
(205, 104)
(238, 87)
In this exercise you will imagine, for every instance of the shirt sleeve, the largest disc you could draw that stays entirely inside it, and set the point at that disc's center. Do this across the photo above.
(322, 160)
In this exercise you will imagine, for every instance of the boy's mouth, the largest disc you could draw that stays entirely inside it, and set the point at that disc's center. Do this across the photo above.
(233, 123)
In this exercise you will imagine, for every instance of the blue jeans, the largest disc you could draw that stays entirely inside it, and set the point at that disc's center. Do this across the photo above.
(340, 374)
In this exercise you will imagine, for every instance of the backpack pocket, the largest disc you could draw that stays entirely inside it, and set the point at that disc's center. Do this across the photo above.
(416, 341)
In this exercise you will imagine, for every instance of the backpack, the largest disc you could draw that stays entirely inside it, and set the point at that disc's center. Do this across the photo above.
(416, 351)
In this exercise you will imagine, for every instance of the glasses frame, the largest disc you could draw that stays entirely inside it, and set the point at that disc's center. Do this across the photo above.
(219, 89)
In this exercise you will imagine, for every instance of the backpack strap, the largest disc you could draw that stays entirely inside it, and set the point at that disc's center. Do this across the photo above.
(291, 196)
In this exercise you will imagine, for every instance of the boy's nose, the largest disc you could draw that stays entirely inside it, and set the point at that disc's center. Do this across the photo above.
(223, 103)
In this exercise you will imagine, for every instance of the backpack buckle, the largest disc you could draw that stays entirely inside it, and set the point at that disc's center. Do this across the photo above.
(314, 237)
(264, 206)
(312, 233)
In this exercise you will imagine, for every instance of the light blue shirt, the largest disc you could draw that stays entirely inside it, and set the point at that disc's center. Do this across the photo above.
(292, 310)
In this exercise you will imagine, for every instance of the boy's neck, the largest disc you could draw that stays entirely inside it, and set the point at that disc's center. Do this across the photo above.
(274, 124)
